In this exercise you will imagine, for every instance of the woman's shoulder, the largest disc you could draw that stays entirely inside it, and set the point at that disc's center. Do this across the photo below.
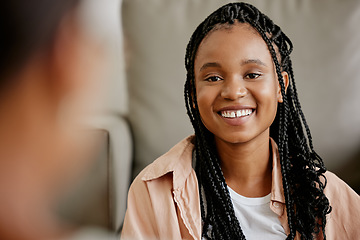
(339, 192)
(178, 161)
(344, 218)
(336, 186)
(156, 190)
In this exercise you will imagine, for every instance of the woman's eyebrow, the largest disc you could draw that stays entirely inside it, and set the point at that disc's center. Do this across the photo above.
(244, 62)
(210, 64)
(256, 61)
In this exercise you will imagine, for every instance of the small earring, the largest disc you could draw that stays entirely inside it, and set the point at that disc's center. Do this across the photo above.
(280, 99)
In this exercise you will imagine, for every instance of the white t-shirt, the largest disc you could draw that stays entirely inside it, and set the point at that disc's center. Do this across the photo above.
(256, 219)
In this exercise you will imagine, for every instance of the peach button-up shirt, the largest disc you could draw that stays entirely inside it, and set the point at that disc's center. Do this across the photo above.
(164, 203)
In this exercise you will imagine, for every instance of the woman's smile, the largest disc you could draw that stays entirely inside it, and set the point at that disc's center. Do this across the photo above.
(236, 115)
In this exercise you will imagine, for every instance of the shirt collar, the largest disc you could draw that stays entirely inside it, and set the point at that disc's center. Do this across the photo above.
(179, 162)
(277, 190)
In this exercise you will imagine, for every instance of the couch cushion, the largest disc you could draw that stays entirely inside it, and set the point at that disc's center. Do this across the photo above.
(98, 196)
(118, 165)
(92, 185)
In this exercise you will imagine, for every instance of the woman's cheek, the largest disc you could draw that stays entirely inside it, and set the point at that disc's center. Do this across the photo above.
(205, 98)
(266, 98)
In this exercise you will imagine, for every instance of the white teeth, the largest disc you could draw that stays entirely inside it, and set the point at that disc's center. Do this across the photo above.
(237, 113)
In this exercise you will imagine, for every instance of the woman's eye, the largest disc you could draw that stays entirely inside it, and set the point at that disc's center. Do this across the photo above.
(252, 75)
(213, 79)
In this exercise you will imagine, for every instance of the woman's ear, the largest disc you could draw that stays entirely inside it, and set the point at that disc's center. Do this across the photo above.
(285, 77)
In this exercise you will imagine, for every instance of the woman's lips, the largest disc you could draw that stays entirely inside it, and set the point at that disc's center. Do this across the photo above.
(236, 117)
(236, 113)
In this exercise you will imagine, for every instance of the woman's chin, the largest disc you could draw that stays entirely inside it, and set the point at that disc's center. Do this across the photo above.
(234, 138)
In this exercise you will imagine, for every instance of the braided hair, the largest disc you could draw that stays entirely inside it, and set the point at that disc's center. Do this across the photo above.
(302, 168)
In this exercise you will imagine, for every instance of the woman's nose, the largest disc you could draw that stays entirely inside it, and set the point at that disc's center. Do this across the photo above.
(233, 89)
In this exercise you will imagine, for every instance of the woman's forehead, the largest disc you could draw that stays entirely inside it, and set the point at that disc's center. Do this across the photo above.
(238, 41)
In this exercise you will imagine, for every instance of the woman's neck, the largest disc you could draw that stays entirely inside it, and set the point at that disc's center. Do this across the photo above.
(247, 167)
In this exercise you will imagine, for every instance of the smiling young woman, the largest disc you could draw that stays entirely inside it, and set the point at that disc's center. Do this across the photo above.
(237, 94)
(250, 171)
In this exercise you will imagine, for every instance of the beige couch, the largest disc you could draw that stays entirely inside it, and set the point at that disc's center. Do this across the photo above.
(144, 112)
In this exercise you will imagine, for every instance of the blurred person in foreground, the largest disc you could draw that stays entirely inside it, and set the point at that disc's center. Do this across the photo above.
(48, 68)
